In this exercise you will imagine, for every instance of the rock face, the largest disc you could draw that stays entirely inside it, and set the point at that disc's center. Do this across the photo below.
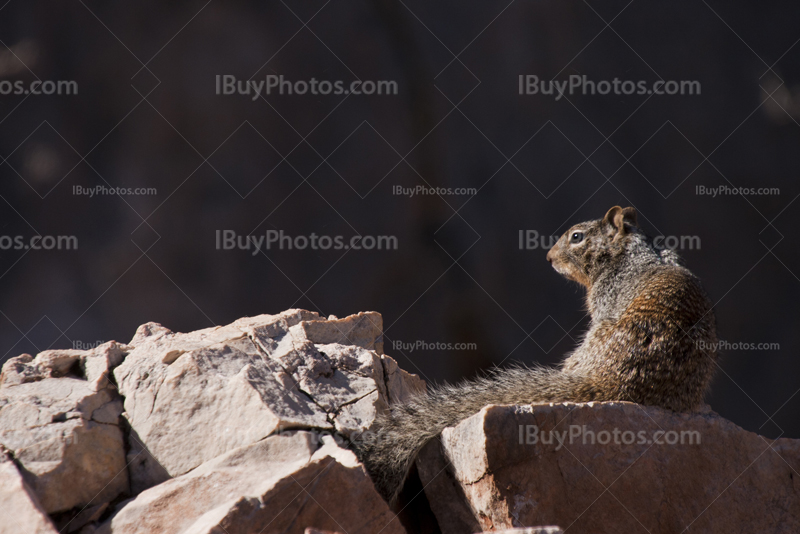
(20, 510)
(59, 418)
(191, 397)
(280, 484)
(617, 467)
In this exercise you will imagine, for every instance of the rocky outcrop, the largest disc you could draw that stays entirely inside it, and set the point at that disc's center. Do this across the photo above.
(191, 397)
(59, 415)
(615, 467)
(245, 428)
(223, 428)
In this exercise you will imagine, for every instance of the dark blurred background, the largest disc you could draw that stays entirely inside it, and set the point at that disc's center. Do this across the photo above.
(147, 115)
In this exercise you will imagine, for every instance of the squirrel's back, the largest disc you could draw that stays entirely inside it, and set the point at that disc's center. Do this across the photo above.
(660, 351)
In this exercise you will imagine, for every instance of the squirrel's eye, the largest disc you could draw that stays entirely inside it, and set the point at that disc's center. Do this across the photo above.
(576, 237)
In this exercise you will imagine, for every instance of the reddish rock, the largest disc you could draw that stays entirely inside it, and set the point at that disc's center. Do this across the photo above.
(658, 471)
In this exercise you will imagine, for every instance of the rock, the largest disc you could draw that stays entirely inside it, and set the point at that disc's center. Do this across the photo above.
(445, 496)
(20, 511)
(191, 397)
(621, 467)
(84, 518)
(400, 385)
(240, 429)
(91, 365)
(59, 417)
(364, 330)
(280, 484)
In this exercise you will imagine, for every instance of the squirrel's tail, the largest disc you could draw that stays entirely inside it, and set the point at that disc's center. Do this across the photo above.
(399, 435)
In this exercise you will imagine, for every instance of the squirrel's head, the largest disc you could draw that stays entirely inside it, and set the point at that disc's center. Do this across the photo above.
(587, 247)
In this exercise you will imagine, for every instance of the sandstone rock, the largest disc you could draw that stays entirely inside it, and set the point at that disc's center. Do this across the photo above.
(650, 475)
(283, 483)
(20, 511)
(191, 397)
(59, 417)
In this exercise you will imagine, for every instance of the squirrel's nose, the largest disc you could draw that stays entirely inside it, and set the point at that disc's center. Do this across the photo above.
(549, 255)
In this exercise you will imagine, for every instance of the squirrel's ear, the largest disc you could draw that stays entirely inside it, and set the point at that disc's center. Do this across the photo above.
(611, 215)
(618, 217)
(627, 215)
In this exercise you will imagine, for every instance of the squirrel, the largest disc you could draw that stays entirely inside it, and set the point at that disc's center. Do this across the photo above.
(651, 341)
